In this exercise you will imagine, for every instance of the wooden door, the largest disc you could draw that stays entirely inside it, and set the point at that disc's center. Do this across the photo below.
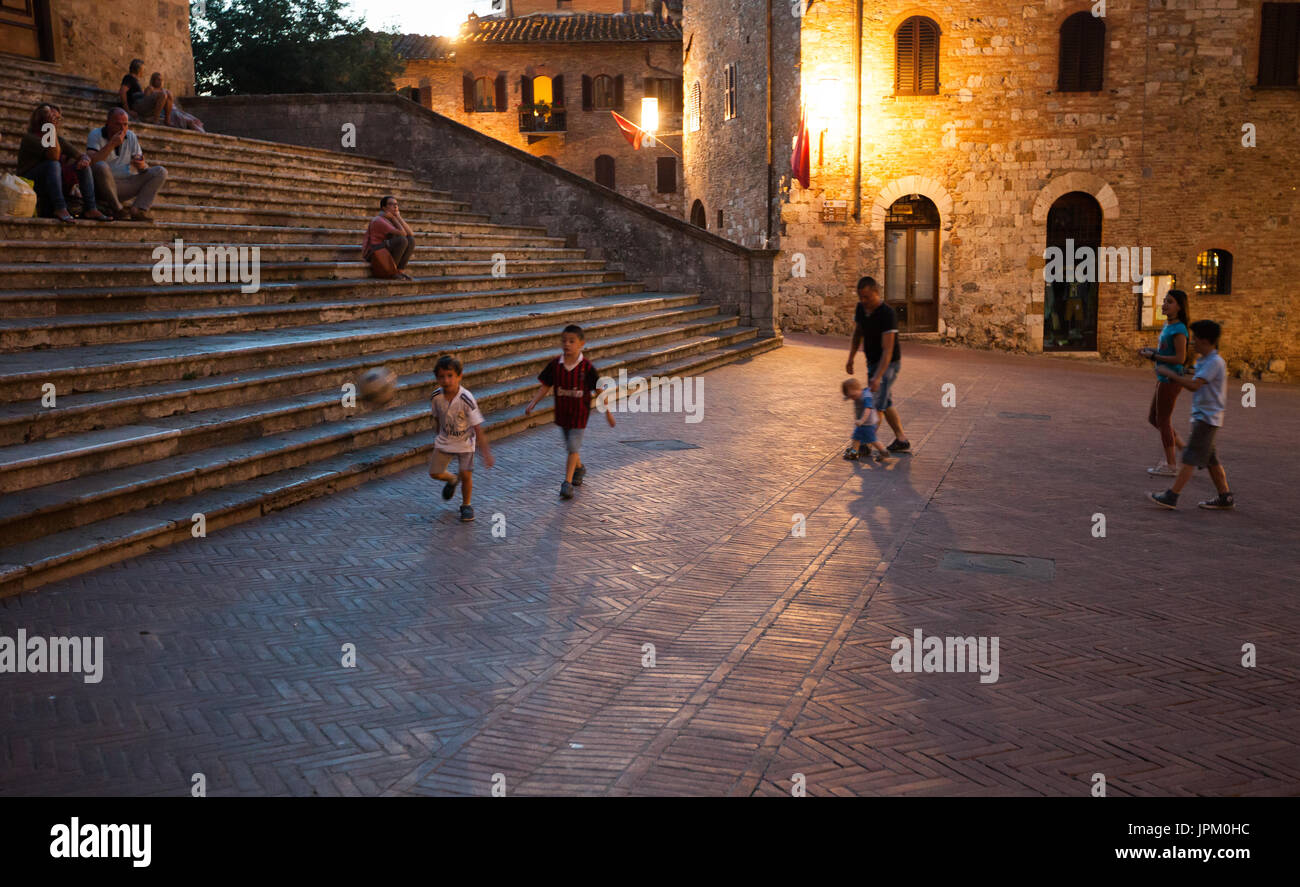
(25, 28)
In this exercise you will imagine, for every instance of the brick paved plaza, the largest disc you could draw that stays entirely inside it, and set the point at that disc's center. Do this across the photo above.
(523, 655)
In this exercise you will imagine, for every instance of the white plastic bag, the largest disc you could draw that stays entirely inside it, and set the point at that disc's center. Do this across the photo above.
(17, 197)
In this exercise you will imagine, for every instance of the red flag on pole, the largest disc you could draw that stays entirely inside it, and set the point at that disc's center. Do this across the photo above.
(800, 161)
(633, 133)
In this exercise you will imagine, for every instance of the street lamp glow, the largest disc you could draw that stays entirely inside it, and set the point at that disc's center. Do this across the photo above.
(650, 115)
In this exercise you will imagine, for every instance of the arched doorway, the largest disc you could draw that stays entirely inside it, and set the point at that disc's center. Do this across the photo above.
(912, 263)
(1070, 300)
(698, 217)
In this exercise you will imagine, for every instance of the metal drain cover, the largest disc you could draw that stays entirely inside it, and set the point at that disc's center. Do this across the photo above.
(1039, 416)
(661, 444)
(1002, 564)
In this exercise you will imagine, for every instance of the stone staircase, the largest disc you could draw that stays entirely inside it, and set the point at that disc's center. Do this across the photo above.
(177, 400)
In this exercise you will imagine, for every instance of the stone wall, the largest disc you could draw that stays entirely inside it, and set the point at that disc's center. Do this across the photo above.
(1160, 147)
(589, 133)
(514, 187)
(97, 40)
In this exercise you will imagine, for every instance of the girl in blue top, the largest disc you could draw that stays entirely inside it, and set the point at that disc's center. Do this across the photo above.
(1172, 352)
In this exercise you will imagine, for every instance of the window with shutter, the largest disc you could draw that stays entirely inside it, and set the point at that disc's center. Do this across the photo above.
(731, 74)
(1279, 44)
(602, 93)
(467, 87)
(1083, 49)
(484, 95)
(693, 111)
(1214, 273)
(605, 171)
(916, 57)
(666, 178)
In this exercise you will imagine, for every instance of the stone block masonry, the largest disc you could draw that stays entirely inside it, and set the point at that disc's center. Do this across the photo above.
(1160, 148)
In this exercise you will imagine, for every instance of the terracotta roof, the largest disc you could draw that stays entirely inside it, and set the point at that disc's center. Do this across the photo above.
(416, 46)
(580, 27)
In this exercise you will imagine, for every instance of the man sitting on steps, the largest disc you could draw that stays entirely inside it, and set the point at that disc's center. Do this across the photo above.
(120, 170)
(389, 231)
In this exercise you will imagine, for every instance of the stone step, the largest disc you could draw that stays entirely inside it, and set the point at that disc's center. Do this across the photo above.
(34, 513)
(299, 179)
(81, 116)
(61, 278)
(76, 413)
(165, 231)
(166, 212)
(85, 330)
(28, 565)
(128, 364)
(33, 251)
(494, 359)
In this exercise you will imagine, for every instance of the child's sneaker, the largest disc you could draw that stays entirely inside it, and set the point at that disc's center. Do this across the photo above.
(850, 455)
(566, 490)
(449, 488)
(1163, 470)
(1221, 502)
(1167, 499)
(578, 474)
(466, 513)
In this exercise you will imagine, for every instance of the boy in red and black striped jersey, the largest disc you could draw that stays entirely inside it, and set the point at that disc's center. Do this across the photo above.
(575, 381)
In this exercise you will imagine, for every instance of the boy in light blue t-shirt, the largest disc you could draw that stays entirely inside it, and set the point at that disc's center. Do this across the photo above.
(1209, 399)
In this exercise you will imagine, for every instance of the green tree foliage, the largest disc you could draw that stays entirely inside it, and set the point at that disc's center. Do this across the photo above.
(287, 46)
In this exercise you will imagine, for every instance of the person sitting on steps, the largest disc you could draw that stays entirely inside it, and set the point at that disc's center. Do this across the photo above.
(178, 118)
(52, 162)
(389, 231)
(132, 98)
(120, 169)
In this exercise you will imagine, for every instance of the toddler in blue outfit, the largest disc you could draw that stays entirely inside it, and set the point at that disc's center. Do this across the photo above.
(867, 418)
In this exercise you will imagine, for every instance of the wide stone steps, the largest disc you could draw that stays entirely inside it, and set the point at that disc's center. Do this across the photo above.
(24, 374)
(97, 329)
(56, 507)
(139, 252)
(64, 276)
(316, 400)
(29, 564)
(28, 420)
(184, 398)
(55, 233)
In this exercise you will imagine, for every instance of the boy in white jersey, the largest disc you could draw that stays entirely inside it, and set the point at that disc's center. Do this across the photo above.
(460, 431)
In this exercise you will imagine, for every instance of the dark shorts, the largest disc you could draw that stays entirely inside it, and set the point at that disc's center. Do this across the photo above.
(865, 434)
(882, 396)
(1200, 450)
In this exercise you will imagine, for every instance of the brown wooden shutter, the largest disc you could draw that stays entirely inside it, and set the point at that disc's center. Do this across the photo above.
(586, 92)
(679, 96)
(927, 74)
(1092, 62)
(905, 58)
(1279, 44)
(503, 99)
(525, 90)
(618, 93)
(557, 90)
(467, 83)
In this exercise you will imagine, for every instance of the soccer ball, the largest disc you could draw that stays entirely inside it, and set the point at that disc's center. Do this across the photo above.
(377, 385)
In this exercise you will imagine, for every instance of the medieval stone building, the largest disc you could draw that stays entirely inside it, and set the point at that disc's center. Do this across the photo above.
(952, 147)
(546, 83)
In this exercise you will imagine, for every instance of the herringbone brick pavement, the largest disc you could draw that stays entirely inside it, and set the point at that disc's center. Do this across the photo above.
(523, 656)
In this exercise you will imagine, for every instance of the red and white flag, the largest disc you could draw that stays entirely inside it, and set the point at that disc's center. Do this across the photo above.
(633, 133)
(801, 160)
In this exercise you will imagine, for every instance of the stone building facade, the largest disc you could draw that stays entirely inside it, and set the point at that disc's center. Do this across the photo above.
(987, 132)
(97, 40)
(546, 83)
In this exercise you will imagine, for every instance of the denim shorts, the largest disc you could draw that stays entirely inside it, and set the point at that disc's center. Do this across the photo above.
(881, 396)
(573, 439)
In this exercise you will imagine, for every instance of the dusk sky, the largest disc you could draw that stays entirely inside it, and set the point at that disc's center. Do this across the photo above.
(440, 17)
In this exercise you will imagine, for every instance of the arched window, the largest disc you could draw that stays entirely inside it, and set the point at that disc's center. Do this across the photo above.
(916, 57)
(605, 171)
(1214, 273)
(485, 94)
(1070, 302)
(1083, 48)
(698, 217)
(604, 93)
(693, 114)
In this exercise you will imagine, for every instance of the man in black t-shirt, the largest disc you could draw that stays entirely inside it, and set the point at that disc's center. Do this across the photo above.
(154, 107)
(875, 328)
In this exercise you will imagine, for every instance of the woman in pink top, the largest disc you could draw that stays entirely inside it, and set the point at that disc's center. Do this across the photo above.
(390, 231)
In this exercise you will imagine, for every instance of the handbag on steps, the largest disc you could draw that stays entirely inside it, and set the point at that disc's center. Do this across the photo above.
(382, 264)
